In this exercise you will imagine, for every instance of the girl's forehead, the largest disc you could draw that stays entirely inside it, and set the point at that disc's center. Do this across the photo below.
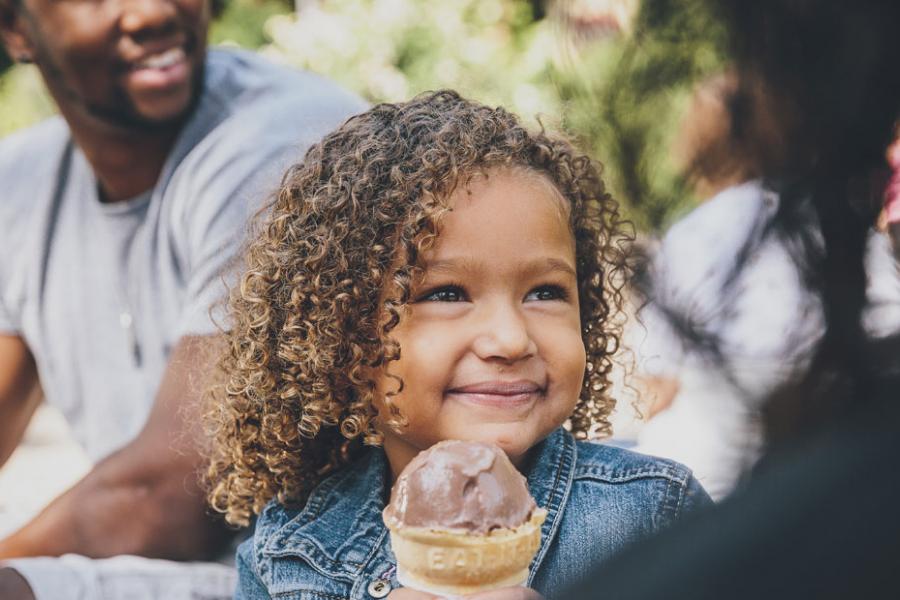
(506, 209)
(514, 179)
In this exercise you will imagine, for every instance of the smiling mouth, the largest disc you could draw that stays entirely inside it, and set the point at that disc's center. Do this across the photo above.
(162, 72)
(498, 394)
(162, 60)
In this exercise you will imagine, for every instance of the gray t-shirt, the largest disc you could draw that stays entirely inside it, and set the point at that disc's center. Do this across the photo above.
(101, 293)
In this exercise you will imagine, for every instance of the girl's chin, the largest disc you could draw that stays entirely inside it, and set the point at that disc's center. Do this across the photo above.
(510, 439)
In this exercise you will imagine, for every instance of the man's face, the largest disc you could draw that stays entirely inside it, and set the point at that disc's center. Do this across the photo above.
(124, 63)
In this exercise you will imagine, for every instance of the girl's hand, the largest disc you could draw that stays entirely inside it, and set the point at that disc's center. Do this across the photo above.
(510, 593)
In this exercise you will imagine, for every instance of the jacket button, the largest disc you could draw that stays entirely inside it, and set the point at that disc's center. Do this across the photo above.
(379, 588)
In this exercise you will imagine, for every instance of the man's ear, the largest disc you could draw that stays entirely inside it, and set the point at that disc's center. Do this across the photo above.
(12, 31)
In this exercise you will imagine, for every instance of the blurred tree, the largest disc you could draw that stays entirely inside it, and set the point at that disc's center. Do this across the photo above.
(242, 22)
(626, 99)
(579, 69)
(493, 50)
(22, 98)
(587, 67)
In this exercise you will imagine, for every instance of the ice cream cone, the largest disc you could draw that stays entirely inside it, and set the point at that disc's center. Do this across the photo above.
(456, 563)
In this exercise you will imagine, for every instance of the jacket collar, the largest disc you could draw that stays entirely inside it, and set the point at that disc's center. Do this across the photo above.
(340, 530)
(550, 482)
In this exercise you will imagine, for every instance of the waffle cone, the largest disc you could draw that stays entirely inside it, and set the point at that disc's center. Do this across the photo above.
(459, 563)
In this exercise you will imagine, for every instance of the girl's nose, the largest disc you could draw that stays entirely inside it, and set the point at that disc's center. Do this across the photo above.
(503, 335)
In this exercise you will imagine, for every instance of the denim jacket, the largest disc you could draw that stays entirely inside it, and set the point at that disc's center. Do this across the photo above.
(598, 499)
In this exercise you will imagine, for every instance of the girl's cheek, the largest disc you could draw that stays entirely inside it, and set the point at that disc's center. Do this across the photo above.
(575, 362)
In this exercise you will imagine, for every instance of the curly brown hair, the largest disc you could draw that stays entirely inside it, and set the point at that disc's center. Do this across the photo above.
(331, 269)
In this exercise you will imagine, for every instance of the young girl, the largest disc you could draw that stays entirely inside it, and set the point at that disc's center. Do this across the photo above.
(431, 270)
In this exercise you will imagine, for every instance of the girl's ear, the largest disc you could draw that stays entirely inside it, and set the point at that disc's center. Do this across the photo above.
(13, 32)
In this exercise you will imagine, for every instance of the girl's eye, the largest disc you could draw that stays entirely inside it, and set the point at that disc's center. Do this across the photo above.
(449, 293)
(547, 292)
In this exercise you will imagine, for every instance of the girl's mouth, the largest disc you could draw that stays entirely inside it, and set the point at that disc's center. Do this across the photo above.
(498, 394)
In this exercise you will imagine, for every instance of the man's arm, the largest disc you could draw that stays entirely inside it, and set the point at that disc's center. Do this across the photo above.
(144, 499)
(20, 392)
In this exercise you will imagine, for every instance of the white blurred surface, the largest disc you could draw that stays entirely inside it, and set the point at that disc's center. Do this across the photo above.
(46, 463)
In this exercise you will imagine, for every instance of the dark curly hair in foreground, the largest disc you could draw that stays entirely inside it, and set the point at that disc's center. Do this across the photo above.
(329, 272)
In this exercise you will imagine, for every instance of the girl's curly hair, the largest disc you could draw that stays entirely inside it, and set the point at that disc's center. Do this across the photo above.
(331, 269)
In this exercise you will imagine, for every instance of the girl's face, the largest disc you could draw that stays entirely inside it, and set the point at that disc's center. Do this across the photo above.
(491, 346)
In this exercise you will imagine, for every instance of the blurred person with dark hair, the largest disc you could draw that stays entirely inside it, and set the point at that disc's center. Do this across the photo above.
(118, 221)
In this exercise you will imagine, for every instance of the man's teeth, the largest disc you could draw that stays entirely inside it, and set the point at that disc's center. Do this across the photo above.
(163, 59)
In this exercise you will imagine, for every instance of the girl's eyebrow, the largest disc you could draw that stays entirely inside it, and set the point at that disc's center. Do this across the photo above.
(548, 265)
(538, 266)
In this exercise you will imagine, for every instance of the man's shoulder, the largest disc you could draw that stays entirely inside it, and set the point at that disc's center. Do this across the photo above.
(23, 153)
(256, 118)
(30, 162)
(243, 83)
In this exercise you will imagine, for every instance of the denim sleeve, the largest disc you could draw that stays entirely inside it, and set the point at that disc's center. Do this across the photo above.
(249, 586)
(695, 497)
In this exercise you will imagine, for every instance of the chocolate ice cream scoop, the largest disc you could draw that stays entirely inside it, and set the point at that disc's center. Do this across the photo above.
(454, 485)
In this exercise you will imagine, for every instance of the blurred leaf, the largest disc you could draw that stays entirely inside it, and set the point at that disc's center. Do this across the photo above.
(619, 96)
(621, 101)
(242, 22)
(23, 98)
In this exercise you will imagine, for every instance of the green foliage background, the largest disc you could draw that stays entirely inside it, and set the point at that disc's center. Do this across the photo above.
(618, 96)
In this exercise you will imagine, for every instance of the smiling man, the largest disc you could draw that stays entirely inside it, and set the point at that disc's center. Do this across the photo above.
(118, 221)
